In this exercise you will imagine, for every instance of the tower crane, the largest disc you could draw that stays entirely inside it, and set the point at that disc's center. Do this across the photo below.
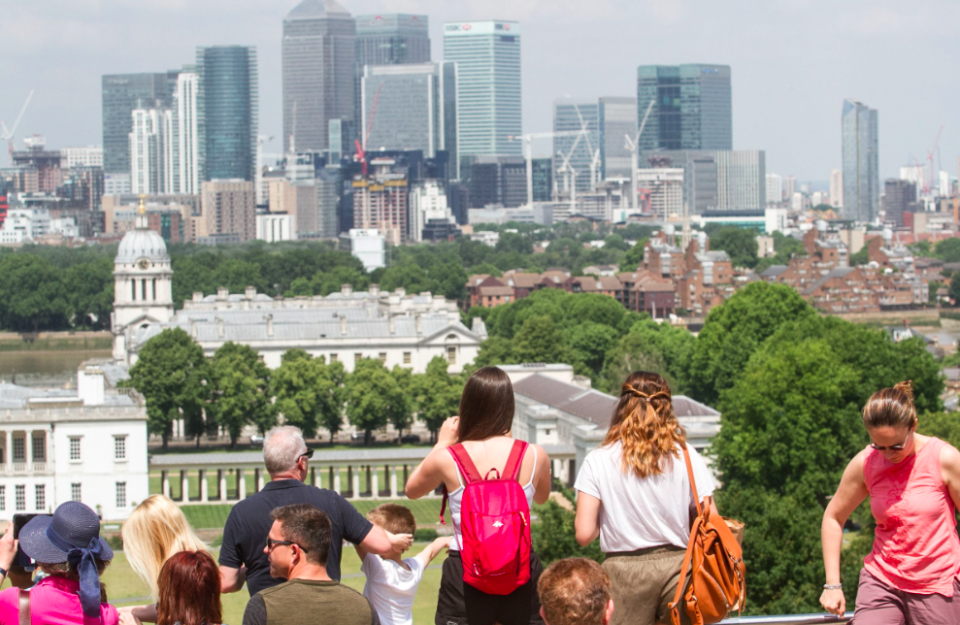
(8, 134)
(934, 150)
(595, 161)
(528, 152)
(634, 147)
(362, 149)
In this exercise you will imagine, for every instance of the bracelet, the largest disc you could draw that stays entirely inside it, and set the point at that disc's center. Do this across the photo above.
(3, 571)
(832, 586)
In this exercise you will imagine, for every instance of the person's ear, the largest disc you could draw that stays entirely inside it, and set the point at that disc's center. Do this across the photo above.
(609, 612)
(543, 615)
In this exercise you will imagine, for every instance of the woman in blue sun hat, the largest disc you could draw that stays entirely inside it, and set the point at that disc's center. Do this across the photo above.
(69, 549)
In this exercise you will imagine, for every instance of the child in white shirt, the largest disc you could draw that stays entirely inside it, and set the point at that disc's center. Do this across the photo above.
(392, 580)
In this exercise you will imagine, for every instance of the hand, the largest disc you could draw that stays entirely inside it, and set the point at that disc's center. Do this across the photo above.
(449, 432)
(127, 617)
(8, 547)
(400, 542)
(833, 601)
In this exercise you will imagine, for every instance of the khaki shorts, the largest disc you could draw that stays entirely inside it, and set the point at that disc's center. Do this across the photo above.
(643, 583)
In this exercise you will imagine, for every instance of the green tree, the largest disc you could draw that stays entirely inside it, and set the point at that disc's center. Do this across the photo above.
(331, 395)
(296, 387)
(632, 353)
(90, 293)
(953, 291)
(436, 394)
(34, 293)
(371, 396)
(171, 373)
(735, 330)
(512, 242)
(943, 425)
(614, 242)
(495, 350)
(540, 340)
(241, 383)
(554, 537)
(589, 343)
(634, 256)
(739, 244)
(860, 258)
(948, 250)
(401, 412)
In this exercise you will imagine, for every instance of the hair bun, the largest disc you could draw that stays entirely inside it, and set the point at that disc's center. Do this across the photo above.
(905, 387)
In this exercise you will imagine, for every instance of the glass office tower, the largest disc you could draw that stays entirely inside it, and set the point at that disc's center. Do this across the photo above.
(576, 151)
(319, 72)
(228, 111)
(392, 39)
(618, 119)
(121, 93)
(487, 55)
(861, 164)
(692, 107)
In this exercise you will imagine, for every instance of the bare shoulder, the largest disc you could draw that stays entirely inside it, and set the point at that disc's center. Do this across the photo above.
(541, 452)
(949, 456)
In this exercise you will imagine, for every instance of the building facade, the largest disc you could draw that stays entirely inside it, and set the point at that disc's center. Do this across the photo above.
(692, 107)
(228, 103)
(861, 162)
(229, 210)
(836, 188)
(899, 197)
(618, 120)
(319, 73)
(487, 55)
(576, 158)
(120, 94)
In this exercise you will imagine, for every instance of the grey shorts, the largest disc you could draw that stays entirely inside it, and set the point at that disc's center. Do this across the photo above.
(643, 583)
(879, 604)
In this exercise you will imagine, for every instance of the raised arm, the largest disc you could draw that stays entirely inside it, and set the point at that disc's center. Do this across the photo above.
(429, 473)
(432, 550)
(850, 494)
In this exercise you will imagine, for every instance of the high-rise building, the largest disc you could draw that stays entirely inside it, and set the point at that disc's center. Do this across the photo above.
(121, 93)
(229, 210)
(899, 197)
(428, 206)
(152, 148)
(228, 100)
(836, 188)
(724, 180)
(618, 119)
(576, 157)
(487, 55)
(189, 167)
(498, 180)
(380, 201)
(774, 188)
(405, 107)
(89, 156)
(789, 186)
(861, 164)
(392, 39)
(542, 179)
(319, 73)
(692, 107)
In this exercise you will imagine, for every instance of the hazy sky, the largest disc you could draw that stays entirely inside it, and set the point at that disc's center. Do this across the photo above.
(793, 61)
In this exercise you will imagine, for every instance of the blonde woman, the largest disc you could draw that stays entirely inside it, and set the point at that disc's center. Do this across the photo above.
(155, 531)
(634, 493)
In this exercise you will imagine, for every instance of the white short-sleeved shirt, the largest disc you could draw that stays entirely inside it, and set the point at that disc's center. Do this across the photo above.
(391, 588)
(637, 513)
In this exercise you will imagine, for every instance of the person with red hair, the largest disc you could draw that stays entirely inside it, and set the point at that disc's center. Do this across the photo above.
(189, 590)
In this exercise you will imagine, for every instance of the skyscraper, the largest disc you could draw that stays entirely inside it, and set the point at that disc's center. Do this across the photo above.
(189, 168)
(487, 55)
(692, 107)
(573, 155)
(319, 72)
(392, 39)
(228, 107)
(121, 93)
(861, 165)
(774, 189)
(836, 188)
(618, 118)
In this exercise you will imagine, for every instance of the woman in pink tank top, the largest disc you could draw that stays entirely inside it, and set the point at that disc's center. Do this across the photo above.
(911, 575)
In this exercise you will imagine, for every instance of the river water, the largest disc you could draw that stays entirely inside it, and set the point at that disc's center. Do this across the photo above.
(45, 368)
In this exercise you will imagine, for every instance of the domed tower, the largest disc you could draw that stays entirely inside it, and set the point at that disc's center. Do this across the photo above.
(143, 287)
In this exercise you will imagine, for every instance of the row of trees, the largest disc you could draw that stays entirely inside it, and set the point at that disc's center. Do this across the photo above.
(233, 389)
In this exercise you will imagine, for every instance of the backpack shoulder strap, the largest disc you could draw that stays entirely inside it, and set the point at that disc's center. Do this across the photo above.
(464, 463)
(512, 470)
(693, 481)
(24, 607)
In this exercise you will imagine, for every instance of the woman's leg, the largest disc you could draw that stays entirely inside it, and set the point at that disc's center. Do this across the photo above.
(451, 609)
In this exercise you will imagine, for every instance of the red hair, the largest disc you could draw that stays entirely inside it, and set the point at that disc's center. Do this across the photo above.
(189, 586)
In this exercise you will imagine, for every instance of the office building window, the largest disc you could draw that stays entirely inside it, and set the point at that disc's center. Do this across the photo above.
(39, 448)
(407, 357)
(20, 497)
(383, 357)
(19, 449)
(121, 494)
(41, 496)
(75, 449)
(75, 492)
(119, 447)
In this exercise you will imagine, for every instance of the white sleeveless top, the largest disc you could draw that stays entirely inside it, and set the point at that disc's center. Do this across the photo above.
(455, 498)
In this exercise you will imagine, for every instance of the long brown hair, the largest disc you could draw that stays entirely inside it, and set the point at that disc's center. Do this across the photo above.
(645, 424)
(486, 405)
(189, 590)
(891, 407)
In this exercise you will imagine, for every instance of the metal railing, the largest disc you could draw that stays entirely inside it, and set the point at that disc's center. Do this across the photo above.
(796, 619)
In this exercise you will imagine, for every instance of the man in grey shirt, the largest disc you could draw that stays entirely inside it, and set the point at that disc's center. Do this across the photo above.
(297, 546)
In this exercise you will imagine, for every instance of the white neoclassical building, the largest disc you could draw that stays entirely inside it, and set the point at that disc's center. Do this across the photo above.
(88, 445)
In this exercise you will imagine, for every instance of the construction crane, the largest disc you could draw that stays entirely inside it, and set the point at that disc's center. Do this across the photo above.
(528, 152)
(362, 149)
(570, 171)
(595, 161)
(934, 174)
(634, 148)
(8, 134)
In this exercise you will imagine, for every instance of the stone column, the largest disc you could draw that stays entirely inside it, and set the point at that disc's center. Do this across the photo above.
(184, 487)
(28, 448)
(355, 482)
(8, 459)
(336, 480)
(241, 486)
(375, 485)
(393, 482)
(571, 472)
(222, 484)
(165, 482)
(258, 473)
(204, 491)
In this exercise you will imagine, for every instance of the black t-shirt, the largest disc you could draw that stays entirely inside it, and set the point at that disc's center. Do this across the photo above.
(248, 525)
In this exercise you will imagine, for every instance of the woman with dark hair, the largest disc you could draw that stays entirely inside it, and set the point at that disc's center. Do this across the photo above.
(911, 575)
(482, 427)
(189, 590)
(634, 493)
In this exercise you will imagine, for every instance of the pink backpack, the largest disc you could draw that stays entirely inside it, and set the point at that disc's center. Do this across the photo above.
(495, 524)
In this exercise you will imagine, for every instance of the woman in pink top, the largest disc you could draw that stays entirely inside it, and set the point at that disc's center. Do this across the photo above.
(913, 481)
(68, 547)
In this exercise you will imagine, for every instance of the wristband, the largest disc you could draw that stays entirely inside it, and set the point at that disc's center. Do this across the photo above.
(833, 586)
(3, 571)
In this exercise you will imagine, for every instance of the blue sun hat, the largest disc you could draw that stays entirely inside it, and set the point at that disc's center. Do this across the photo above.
(71, 535)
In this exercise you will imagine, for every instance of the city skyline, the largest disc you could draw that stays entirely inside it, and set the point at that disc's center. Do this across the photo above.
(784, 101)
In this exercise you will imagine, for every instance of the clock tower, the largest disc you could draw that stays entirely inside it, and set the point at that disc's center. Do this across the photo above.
(143, 287)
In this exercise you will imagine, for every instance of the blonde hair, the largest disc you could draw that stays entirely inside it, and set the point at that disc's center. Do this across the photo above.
(645, 424)
(891, 407)
(155, 531)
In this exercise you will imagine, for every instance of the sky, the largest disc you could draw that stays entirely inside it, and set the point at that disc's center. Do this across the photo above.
(792, 61)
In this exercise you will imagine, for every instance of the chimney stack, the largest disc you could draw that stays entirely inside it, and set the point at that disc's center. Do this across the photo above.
(220, 328)
(222, 293)
(269, 319)
(343, 325)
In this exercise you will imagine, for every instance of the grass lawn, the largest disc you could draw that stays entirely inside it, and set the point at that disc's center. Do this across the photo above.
(214, 516)
(123, 585)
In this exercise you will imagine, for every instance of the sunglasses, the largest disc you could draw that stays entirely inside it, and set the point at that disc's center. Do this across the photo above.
(308, 454)
(899, 447)
(271, 543)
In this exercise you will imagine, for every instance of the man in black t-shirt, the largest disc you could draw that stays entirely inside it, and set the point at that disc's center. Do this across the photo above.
(285, 455)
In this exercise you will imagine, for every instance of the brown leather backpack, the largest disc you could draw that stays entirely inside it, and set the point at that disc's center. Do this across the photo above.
(715, 562)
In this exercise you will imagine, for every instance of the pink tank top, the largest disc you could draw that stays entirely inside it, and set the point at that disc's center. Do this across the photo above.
(916, 548)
